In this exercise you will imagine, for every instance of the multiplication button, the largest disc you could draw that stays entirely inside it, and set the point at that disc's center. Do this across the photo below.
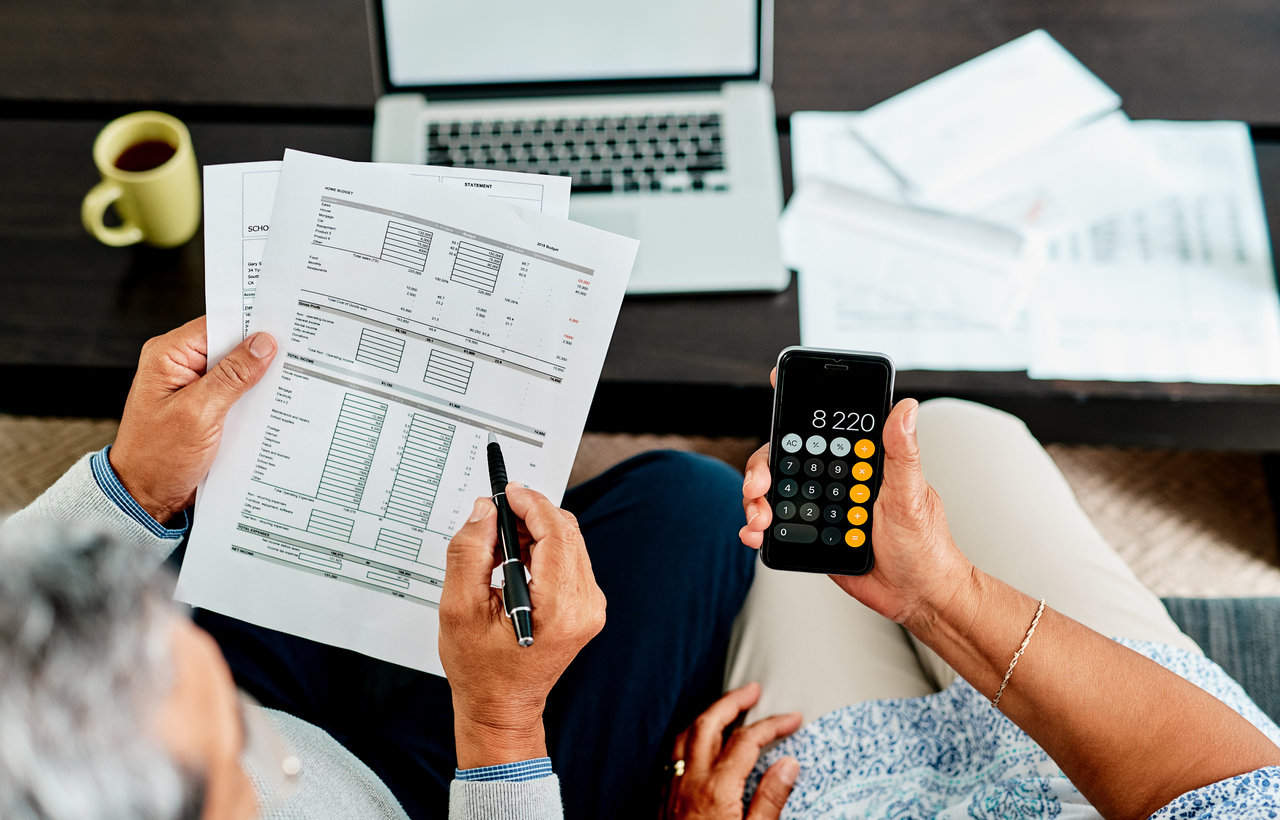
(861, 471)
(792, 443)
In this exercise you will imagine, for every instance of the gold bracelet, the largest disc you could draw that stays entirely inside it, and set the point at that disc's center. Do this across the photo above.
(996, 703)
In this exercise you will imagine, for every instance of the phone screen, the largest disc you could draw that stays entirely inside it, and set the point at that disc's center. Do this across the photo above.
(825, 459)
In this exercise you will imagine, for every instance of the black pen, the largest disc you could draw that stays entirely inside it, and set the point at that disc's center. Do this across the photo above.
(515, 589)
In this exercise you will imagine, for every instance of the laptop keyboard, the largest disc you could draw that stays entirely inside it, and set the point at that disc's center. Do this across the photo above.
(675, 152)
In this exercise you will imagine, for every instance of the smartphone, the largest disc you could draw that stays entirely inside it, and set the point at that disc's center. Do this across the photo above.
(825, 458)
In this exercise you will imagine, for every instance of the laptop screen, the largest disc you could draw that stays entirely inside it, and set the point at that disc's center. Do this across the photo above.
(496, 42)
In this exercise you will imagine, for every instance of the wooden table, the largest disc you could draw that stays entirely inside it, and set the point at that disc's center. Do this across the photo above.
(253, 78)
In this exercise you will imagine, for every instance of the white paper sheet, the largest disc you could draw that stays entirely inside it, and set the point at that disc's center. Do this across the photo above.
(237, 207)
(824, 148)
(412, 320)
(984, 112)
(905, 259)
(1181, 288)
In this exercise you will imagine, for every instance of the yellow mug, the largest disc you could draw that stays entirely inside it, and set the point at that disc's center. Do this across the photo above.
(149, 174)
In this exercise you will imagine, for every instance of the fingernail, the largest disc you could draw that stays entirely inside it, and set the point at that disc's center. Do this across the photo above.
(753, 517)
(788, 770)
(262, 345)
(909, 423)
(517, 484)
(480, 511)
(746, 481)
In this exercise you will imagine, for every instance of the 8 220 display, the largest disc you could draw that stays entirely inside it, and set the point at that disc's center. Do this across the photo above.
(825, 458)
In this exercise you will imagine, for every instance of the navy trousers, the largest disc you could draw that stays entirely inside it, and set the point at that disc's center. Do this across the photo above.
(661, 530)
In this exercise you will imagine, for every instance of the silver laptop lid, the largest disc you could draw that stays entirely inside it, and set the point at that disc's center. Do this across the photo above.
(491, 48)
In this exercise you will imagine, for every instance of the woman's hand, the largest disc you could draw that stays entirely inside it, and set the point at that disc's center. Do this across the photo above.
(917, 562)
(716, 770)
(499, 687)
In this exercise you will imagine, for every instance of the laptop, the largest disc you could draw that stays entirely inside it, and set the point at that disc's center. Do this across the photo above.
(660, 112)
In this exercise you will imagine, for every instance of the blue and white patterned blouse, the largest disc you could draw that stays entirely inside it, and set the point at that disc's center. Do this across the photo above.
(950, 755)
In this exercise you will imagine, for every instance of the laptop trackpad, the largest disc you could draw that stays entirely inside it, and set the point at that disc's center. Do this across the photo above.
(619, 222)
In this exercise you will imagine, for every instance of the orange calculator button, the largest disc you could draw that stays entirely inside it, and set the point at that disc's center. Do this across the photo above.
(855, 537)
(859, 493)
(861, 471)
(857, 516)
(864, 448)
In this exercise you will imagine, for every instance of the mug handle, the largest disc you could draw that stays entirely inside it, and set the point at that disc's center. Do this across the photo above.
(95, 206)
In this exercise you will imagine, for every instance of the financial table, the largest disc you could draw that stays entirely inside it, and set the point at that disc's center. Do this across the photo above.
(253, 80)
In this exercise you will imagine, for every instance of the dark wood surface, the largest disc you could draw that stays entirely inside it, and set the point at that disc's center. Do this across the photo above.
(252, 79)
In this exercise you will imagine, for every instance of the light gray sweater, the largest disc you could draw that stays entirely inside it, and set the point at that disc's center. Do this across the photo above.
(333, 783)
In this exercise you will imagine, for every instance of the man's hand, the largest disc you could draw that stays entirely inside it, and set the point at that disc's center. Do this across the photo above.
(716, 770)
(173, 418)
(499, 687)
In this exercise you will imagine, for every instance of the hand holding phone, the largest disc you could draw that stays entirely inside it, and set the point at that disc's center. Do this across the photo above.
(916, 560)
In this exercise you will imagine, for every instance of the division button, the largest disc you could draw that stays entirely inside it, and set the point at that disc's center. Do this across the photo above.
(816, 445)
(788, 487)
(785, 510)
(811, 490)
(859, 494)
(809, 512)
(862, 471)
(835, 492)
(813, 467)
(832, 514)
(840, 447)
(855, 537)
(831, 536)
(792, 443)
(788, 465)
(796, 533)
(857, 516)
(838, 470)
(864, 448)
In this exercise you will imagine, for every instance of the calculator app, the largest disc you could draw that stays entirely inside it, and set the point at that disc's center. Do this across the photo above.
(826, 458)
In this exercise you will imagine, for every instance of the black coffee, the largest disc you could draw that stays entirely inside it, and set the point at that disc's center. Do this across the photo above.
(144, 156)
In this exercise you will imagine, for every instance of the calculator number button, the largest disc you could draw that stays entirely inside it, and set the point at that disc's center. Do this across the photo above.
(813, 467)
(809, 512)
(796, 533)
(788, 487)
(832, 514)
(785, 510)
(811, 490)
(838, 470)
(788, 465)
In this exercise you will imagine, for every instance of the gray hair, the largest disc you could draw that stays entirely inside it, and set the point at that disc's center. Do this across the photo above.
(84, 662)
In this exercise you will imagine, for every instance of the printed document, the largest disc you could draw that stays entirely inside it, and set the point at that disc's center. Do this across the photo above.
(237, 207)
(1180, 288)
(984, 112)
(413, 319)
(931, 290)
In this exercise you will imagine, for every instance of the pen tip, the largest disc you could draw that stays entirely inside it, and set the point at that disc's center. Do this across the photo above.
(493, 437)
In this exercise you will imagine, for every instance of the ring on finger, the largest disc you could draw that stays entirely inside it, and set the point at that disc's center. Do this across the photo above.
(676, 768)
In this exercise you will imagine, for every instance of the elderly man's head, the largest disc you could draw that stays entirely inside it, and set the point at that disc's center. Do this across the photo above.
(112, 705)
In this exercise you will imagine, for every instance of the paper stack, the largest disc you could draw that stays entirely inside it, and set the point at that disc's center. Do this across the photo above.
(1006, 215)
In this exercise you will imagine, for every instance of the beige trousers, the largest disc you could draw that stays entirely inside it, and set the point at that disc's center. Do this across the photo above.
(814, 649)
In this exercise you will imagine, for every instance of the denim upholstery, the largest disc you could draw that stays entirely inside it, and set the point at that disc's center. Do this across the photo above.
(1242, 635)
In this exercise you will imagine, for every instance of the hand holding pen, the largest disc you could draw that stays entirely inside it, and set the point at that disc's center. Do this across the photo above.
(499, 687)
(515, 588)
